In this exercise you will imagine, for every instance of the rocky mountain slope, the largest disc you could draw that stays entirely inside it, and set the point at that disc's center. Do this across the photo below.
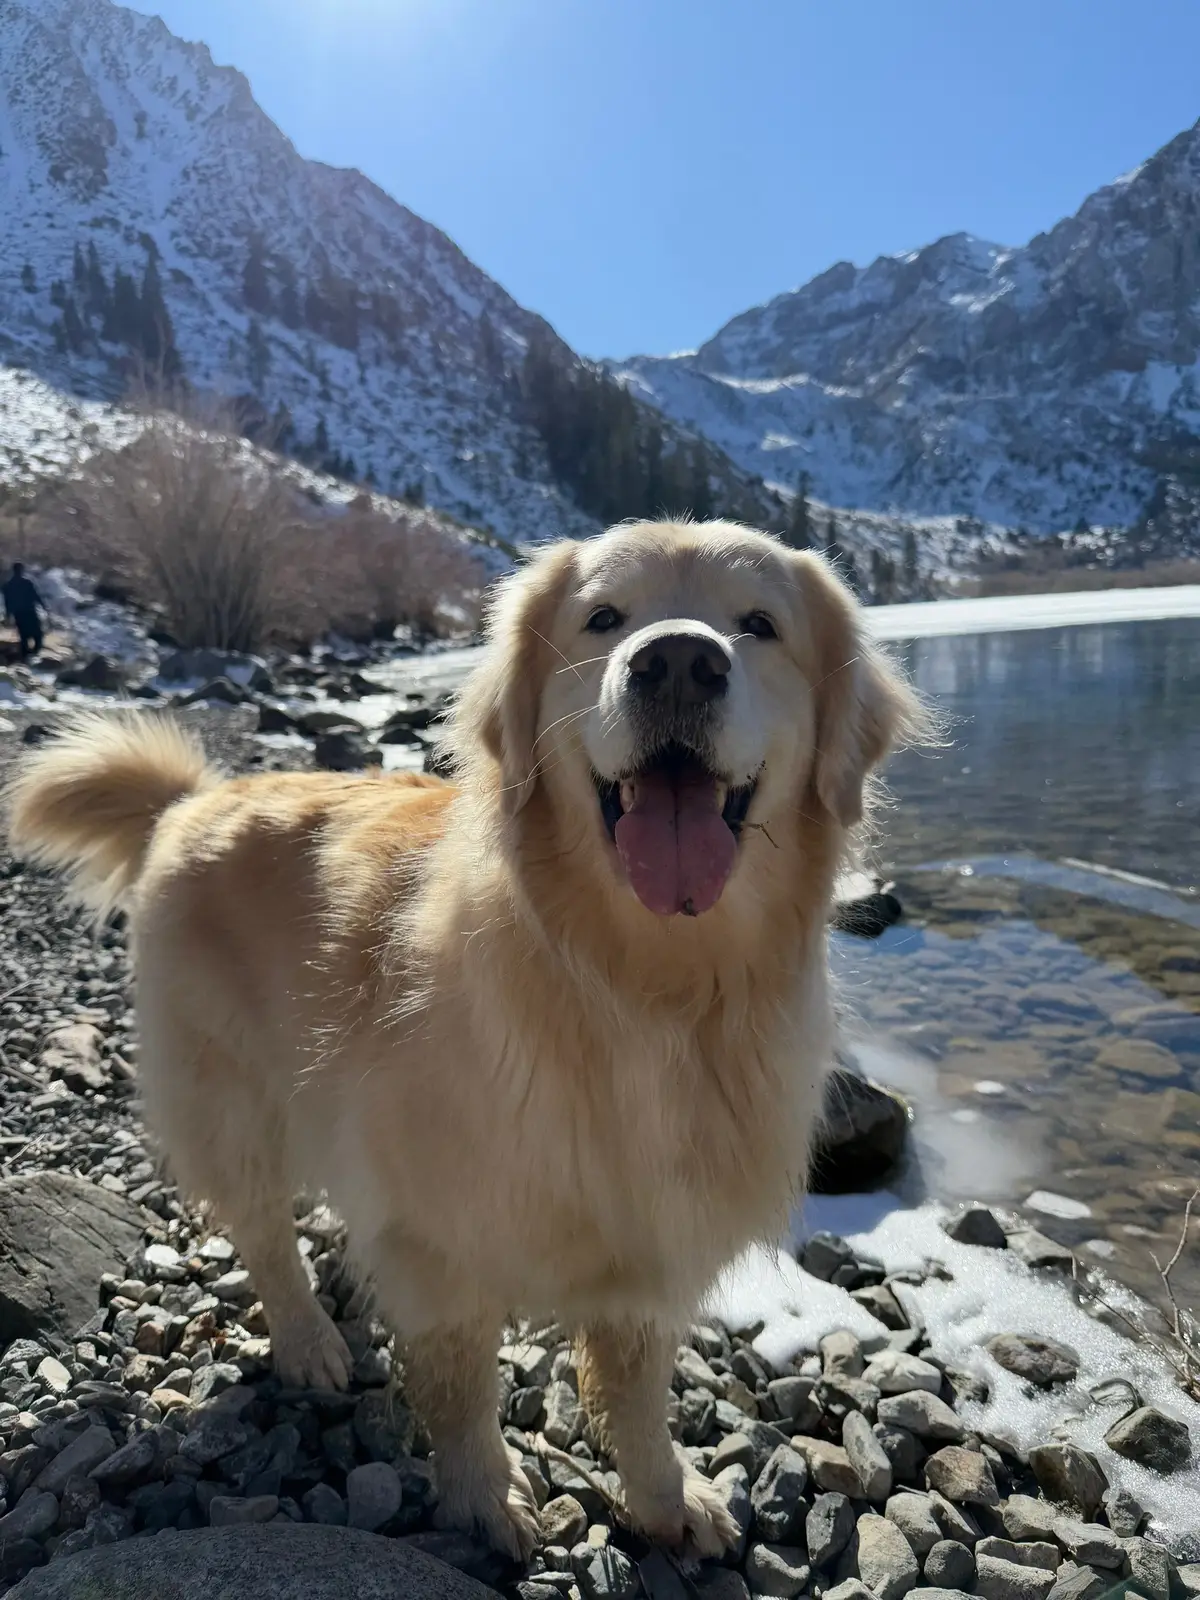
(155, 218)
(1035, 386)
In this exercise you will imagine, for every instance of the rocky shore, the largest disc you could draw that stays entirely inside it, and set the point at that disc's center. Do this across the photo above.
(142, 1429)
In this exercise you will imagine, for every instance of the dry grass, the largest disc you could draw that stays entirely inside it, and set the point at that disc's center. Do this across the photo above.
(1075, 580)
(196, 524)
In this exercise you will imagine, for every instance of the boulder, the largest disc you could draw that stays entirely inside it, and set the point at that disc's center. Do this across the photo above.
(204, 665)
(272, 1562)
(862, 1134)
(98, 673)
(343, 751)
(1151, 1438)
(58, 1235)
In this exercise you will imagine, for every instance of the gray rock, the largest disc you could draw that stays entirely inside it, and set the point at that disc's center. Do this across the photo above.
(977, 1225)
(883, 1557)
(1189, 1578)
(949, 1565)
(1008, 1580)
(325, 1505)
(777, 1496)
(931, 1592)
(842, 1355)
(135, 1459)
(1036, 1250)
(913, 1515)
(734, 1450)
(850, 1589)
(1040, 1361)
(794, 1402)
(606, 1574)
(565, 1417)
(34, 1515)
(904, 1450)
(828, 1466)
(235, 1511)
(72, 1053)
(777, 1569)
(1125, 1513)
(1033, 1553)
(1089, 1543)
(718, 1583)
(1152, 1439)
(1069, 1476)
(564, 1521)
(58, 1236)
(867, 1456)
(764, 1439)
(879, 1300)
(296, 1562)
(1026, 1518)
(384, 1427)
(921, 1413)
(862, 1134)
(895, 1372)
(1151, 1568)
(838, 1396)
(213, 1380)
(660, 1578)
(733, 1485)
(215, 1434)
(824, 1253)
(373, 1495)
(964, 1476)
(694, 1372)
(1080, 1583)
(828, 1528)
(954, 1522)
(92, 1447)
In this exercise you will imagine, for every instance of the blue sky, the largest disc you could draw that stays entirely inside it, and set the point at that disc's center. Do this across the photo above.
(640, 170)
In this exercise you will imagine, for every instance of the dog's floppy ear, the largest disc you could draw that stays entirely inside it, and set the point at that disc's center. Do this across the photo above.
(497, 716)
(863, 706)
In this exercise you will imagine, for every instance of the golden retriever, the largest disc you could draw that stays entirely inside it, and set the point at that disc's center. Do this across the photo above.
(551, 1038)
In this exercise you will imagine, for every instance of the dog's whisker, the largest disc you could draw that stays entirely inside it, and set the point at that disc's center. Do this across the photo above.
(570, 665)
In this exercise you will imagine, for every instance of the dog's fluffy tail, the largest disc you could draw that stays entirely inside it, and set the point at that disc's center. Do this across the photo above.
(89, 799)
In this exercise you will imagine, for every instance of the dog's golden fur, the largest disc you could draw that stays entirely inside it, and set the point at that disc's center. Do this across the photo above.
(442, 1005)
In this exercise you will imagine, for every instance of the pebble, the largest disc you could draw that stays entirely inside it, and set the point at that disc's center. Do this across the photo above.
(734, 1450)
(1040, 1361)
(921, 1413)
(884, 1558)
(867, 1457)
(1152, 1439)
(996, 1579)
(606, 1574)
(828, 1528)
(829, 1466)
(913, 1515)
(977, 1225)
(895, 1372)
(776, 1569)
(824, 1253)
(963, 1476)
(949, 1565)
(776, 1497)
(842, 1355)
(563, 1521)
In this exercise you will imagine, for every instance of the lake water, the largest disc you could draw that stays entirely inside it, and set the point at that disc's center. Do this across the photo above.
(1041, 1004)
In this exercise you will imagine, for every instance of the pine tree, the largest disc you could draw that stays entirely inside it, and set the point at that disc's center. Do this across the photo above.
(79, 270)
(258, 354)
(58, 293)
(74, 327)
(491, 348)
(289, 295)
(140, 124)
(29, 278)
(98, 294)
(910, 565)
(123, 314)
(320, 444)
(155, 336)
(256, 287)
(799, 530)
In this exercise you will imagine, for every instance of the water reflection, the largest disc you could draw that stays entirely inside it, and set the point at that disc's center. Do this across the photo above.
(1043, 1017)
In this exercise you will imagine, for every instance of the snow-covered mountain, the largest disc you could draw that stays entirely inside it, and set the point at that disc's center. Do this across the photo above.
(151, 211)
(1032, 386)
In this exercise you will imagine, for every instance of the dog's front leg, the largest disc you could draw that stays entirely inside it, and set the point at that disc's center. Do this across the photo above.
(625, 1373)
(451, 1379)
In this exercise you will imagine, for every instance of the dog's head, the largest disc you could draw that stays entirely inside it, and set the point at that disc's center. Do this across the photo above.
(675, 697)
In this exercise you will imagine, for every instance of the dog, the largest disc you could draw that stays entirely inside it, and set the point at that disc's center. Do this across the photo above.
(552, 1036)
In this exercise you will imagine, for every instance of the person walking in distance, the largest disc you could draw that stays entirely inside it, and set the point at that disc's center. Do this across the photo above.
(21, 605)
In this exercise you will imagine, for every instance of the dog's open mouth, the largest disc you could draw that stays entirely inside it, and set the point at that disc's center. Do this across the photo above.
(675, 825)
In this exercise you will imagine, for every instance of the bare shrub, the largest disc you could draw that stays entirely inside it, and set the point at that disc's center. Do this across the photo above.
(366, 573)
(190, 519)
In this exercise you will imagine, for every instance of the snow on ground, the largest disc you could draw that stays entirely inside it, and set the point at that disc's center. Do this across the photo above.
(988, 1292)
(1018, 613)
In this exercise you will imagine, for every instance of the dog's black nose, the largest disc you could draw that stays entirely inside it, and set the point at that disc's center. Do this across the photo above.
(690, 667)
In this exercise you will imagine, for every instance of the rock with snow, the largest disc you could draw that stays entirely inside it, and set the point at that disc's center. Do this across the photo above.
(1037, 1360)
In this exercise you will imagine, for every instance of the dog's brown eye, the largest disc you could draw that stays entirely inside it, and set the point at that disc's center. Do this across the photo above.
(759, 625)
(604, 619)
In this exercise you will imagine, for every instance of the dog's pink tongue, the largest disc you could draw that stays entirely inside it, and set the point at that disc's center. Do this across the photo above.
(675, 845)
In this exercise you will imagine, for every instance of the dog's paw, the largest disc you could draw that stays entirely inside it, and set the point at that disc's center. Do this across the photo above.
(694, 1519)
(310, 1353)
(501, 1508)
